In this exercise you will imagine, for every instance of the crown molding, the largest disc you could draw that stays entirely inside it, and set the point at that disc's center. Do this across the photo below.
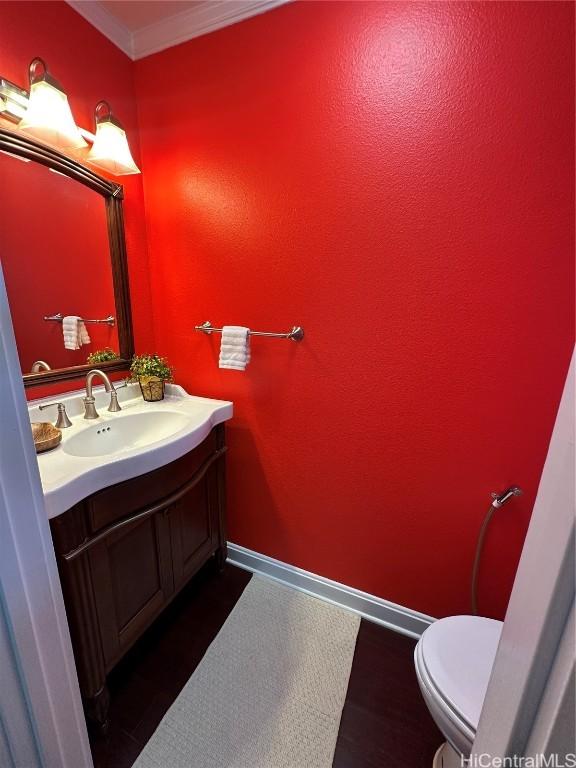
(199, 20)
(104, 22)
(203, 18)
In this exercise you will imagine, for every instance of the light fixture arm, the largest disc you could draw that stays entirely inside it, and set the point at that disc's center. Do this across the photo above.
(34, 75)
(103, 114)
(38, 73)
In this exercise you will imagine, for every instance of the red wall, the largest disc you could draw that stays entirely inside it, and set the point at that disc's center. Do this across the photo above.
(90, 68)
(397, 178)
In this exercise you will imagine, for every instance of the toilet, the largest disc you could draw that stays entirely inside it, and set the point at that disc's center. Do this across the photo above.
(454, 659)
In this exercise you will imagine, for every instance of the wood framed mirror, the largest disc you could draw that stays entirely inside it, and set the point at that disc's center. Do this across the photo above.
(47, 279)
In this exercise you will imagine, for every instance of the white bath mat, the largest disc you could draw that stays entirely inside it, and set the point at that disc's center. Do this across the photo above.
(268, 693)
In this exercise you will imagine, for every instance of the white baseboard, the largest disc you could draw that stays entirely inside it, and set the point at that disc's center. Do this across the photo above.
(395, 617)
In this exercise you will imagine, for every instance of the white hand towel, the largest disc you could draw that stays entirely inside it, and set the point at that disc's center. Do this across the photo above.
(74, 331)
(235, 347)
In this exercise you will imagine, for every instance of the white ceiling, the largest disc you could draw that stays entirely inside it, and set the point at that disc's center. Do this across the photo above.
(142, 27)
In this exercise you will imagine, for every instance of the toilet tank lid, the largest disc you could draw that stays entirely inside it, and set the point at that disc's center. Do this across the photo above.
(459, 653)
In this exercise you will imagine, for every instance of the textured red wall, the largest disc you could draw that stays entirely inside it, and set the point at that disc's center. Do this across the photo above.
(90, 68)
(397, 178)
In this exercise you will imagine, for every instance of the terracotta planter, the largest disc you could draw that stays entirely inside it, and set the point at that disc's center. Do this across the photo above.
(152, 388)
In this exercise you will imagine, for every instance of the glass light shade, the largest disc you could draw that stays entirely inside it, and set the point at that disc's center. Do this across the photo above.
(111, 151)
(49, 118)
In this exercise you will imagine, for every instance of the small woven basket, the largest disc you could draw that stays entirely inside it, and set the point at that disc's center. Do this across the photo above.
(45, 436)
(152, 388)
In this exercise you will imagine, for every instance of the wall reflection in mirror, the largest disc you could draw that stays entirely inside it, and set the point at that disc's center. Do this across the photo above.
(55, 255)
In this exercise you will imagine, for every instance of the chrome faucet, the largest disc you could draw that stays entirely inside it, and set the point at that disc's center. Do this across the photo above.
(90, 411)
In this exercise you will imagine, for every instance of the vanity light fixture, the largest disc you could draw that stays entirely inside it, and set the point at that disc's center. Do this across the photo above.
(48, 116)
(110, 149)
(45, 114)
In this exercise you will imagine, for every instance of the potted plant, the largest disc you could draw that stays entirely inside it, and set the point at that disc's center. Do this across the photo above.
(102, 356)
(151, 372)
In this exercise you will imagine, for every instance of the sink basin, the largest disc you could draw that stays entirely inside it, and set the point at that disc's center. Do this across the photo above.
(129, 432)
(118, 446)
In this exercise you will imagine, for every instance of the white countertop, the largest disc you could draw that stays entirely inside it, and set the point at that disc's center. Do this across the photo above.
(67, 478)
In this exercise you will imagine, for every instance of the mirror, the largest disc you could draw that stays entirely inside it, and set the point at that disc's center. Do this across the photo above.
(63, 254)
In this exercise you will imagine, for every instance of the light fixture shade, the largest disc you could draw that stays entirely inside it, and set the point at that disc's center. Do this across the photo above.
(110, 149)
(48, 116)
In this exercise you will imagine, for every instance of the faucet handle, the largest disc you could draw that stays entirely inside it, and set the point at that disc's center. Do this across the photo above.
(62, 422)
(115, 406)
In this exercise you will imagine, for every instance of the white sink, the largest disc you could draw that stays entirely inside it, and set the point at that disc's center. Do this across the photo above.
(95, 454)
(125, 433)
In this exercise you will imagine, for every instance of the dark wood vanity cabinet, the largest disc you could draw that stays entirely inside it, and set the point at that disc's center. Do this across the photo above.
(127, 550)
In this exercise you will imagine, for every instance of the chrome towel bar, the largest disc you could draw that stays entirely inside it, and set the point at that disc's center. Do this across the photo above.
(296, 334)
(110, 320)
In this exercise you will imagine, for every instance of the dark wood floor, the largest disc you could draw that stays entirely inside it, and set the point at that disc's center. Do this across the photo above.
(384, 722)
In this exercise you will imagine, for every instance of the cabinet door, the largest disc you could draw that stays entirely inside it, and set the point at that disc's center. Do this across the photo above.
(194, 527)
(132, 581)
